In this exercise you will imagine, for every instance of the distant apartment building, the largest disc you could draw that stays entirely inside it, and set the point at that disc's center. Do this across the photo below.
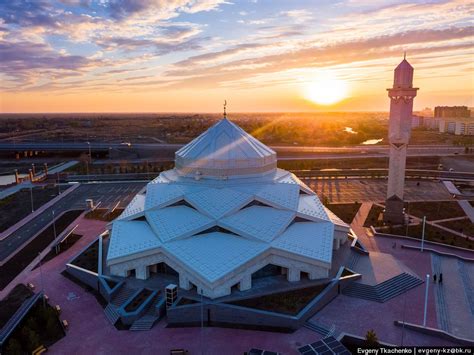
(457, 126)
(451, 112)
(455, 120)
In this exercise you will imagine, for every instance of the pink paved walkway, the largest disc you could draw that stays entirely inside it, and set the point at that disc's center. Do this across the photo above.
(91, 333)
(361, 315)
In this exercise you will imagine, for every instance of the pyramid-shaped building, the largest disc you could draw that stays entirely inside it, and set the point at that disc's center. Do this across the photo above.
(223, 215)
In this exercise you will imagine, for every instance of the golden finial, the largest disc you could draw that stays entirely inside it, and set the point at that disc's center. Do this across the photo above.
(225, 105)
(405, 55)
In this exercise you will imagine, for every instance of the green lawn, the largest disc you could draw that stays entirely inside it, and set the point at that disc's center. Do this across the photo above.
(345, 211)
(435, 210)
(461, 225)
(433, 234)
(15, 207)
(290, 302)
(373, 217)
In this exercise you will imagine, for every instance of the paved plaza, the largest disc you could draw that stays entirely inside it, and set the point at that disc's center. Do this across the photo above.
(87, 319)
(450, 306)
(348, 190)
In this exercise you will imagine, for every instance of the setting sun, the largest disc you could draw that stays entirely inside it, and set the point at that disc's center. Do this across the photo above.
(326, 90)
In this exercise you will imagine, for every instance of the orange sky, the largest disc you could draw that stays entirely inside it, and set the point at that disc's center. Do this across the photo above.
(188, 56)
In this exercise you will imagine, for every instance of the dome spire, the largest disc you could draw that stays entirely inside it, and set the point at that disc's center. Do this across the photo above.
(225, 106)
(225, 150)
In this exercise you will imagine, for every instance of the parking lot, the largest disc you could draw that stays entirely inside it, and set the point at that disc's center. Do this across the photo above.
(108, 194)
(375, 190)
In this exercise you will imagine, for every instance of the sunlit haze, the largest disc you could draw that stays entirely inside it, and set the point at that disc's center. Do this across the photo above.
(326, 89)
(188, 56)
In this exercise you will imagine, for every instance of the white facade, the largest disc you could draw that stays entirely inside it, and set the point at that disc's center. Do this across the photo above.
(457, 126)
(222, 214)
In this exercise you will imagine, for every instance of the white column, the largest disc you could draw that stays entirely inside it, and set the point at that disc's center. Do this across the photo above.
(142, 272)
(184, 282)
(293, 274)
(245, 283)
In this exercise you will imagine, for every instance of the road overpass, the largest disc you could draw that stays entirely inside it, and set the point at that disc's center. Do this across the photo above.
(169, 149)
(303, 174)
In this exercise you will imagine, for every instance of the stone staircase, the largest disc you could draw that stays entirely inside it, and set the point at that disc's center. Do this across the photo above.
(147, 321)
(124, 294)
(353, 260)
(383, 291)
(111, 314)
(144, 323)
(320, 328)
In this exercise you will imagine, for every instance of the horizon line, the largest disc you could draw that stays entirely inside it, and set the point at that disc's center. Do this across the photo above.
(186, 112)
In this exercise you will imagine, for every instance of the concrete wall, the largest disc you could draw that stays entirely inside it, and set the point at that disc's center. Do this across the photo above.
(130, 317)
(232, 315)
(88, 277)
(106, 291)
(224, 314)
(436, 332)
(221, 287)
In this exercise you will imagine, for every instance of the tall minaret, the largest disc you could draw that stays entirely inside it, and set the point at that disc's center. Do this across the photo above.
(401, 110)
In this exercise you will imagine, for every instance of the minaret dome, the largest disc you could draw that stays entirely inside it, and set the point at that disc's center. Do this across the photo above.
(403, 78)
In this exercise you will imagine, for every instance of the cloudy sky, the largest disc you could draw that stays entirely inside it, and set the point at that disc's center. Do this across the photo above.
(260, 55)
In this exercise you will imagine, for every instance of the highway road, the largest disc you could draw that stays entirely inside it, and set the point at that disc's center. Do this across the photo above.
(104, 147)
(309, 174)
(108, 193)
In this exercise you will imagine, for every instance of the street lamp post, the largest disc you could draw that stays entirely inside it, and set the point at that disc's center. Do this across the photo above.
(54, 231)
(423, 233)
(57, 181)
(90, 154)
(404, 310)
(90, 160)
(87, 170)
(31, 198)
(202, 324)
(407, 214)
(426, 299)
(41, 277)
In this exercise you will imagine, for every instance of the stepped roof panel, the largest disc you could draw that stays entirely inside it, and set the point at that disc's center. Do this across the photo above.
(131, 237)
(177, 222)
(214, 255)
(335, 219)
(159, 195)
(259, 222)
(291, 178)
(160, 179)
(279, 195)
(313, 240)
(134, 209)
(310, 206)
(218, 202)
(250, 189)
